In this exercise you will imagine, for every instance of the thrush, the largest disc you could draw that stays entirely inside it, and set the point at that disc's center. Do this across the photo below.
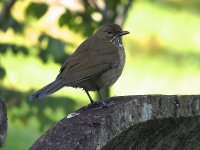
(95, 65)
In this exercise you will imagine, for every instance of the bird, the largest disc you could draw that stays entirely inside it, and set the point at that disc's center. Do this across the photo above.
(95, 65)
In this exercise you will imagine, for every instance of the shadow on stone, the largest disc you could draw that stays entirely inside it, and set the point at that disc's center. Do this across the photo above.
(179, 134)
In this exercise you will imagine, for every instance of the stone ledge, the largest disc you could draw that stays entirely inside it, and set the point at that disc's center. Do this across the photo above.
(129, 116)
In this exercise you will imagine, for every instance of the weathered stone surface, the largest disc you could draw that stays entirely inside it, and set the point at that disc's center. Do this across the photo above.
(3, 122)
(132, 122)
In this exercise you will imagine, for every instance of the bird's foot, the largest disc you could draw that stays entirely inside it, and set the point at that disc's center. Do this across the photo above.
(103, 104)
(100, 104)
(106, 104)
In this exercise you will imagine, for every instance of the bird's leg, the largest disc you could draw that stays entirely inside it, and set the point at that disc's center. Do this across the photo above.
(100, 95)
(88, 94)
(102, 100)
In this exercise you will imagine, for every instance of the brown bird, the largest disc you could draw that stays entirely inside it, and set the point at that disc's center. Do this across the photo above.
(96, 64)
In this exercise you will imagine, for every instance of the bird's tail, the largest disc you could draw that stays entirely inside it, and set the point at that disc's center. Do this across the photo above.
(47, 90)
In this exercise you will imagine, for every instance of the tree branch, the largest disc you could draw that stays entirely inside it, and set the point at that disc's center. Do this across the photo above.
(122, 12)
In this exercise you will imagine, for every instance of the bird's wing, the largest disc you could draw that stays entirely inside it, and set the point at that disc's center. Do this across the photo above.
(89, 61)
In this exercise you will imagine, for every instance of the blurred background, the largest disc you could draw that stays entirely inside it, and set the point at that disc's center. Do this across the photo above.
(36, 36)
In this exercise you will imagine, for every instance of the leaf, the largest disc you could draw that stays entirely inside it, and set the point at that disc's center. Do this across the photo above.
(55, 49)
(36, 10)
(11, 22)
(86, 27)
(2, 72)
(3, 48)
(64, 18)
(43, 55)
(14, 48)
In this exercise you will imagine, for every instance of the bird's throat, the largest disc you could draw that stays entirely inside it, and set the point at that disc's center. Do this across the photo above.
(118, 42)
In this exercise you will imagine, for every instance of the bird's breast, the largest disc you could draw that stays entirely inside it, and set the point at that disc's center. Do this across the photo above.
(109, 77)
(122, 57)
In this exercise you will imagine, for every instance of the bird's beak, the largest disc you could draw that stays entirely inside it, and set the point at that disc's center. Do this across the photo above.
(123, 33)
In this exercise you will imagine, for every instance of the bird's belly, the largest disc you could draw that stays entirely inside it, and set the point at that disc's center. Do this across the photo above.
(109, 77)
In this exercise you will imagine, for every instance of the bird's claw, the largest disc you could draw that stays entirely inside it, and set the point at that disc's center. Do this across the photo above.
(106, 104)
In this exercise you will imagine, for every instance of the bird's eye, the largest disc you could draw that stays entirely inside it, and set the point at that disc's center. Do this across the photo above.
(109, 33)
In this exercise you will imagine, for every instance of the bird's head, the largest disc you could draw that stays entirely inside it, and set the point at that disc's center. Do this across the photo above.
(112, 33)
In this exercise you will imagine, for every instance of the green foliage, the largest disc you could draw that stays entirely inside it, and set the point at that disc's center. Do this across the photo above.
(10, 22)
(2, 72)
(86, 27)
(85, 23)
(36, 10)
(55, 49)
(14, 48)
